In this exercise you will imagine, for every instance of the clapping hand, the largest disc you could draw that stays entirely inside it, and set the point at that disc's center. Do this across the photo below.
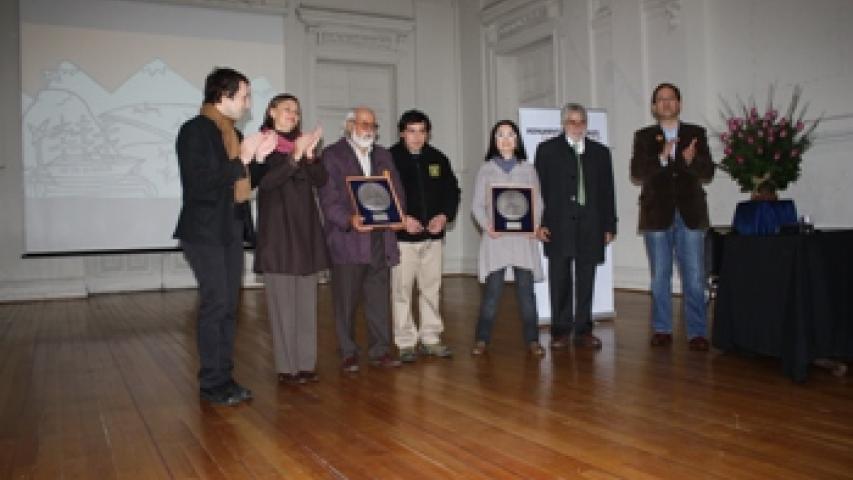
(307, 143)
(689, 153)
(267, 144)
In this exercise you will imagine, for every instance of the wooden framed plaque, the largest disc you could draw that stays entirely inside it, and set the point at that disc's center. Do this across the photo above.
(375, 199)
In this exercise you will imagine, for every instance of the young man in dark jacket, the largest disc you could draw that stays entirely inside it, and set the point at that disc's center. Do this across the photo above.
(215, 220)
(432, 199)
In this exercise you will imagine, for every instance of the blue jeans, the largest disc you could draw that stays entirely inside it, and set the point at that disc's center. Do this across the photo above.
(689, 248)
(526, 304)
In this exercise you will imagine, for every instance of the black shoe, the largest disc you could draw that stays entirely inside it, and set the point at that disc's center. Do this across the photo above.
(219, 396)
(240, 391)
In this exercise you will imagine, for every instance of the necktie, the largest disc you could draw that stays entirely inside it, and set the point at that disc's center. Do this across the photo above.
(581, 188)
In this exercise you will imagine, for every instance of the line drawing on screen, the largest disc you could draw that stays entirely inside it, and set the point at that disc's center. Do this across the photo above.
(81, 140)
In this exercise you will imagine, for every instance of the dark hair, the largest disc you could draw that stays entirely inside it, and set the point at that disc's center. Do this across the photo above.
(413, 116)
(269, 123)
(493, 151)
(666, 85)
(222, 82)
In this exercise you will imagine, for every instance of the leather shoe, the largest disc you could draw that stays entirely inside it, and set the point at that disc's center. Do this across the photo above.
(698, 344)
(560, 341)
(661, 340)
(479, 348)
(289, 378)
(385, 361)
(306, 376)
(587, 340)
(221, 395)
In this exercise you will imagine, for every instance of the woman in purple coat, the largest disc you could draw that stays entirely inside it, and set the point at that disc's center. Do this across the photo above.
(291, 247)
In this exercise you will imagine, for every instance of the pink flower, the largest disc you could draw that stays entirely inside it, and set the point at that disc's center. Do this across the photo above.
(783, 132)
(760, 133)
(795, 153)
(750, 140)
(800, 126)
(777, 156)
(759, 151)
(739, 160)
(727, 150)
(753, 113)
(766, 124)
(724, 137)
(739, 134)
(783, 121)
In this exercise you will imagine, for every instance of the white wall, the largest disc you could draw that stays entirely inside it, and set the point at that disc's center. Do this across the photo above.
(606, 53)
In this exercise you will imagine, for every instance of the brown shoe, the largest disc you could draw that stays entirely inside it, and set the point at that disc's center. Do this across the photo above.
(385, 361)
(479, 348)
(535, 350)
(288, 378)
(661, 340)
(698, 344)
(560, 341)
(587, 340)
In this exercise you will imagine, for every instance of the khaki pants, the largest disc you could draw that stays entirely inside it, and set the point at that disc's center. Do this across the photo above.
(420, 262)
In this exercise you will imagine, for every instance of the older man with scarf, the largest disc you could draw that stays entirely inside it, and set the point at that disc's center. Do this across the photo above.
(215, 220)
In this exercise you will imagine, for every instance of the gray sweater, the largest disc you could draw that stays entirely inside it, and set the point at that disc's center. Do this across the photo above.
(509, 249)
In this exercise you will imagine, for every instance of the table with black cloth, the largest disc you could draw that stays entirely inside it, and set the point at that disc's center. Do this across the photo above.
(787, 296)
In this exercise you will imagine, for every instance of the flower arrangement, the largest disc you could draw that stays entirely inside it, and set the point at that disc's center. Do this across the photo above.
(763, 152)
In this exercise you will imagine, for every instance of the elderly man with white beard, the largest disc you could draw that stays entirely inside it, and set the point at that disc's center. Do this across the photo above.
(361, 256)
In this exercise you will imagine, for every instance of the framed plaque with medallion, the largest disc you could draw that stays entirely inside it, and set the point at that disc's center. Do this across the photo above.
(513, 208)
(375, 200)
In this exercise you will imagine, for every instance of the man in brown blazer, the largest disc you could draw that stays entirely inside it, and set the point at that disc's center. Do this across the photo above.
(671, 161)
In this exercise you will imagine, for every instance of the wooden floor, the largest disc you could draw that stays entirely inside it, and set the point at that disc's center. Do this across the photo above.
(105, 388)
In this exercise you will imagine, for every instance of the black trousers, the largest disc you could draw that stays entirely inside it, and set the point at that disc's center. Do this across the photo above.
(218, 269)
(372, 282)
(563, 289)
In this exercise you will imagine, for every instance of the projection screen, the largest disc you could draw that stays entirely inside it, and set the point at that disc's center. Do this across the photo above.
(105, 86)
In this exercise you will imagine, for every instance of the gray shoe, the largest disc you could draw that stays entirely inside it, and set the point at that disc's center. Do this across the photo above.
(437, 350)
(408, 355)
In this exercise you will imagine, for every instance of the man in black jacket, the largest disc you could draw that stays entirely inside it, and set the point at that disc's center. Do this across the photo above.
(215, 220)
(578, 221)
(432, 199)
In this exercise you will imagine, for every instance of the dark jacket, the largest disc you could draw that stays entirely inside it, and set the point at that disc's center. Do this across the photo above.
(576, 230)
(347, 246)
(207, 178)
(290, 236)
(674, 185)
(430, 185)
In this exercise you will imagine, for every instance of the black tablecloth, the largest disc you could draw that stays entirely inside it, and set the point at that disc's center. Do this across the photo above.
(788, 296)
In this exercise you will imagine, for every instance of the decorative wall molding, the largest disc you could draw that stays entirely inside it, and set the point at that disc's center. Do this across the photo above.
(326, 18)
(281, 7)
(369, 41)
(341, 29)
(505, 20)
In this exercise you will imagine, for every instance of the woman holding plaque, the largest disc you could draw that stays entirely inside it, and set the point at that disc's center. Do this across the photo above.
(507, 205)
(291, 246)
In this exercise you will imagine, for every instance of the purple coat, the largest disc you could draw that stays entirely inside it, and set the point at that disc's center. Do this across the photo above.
(347, 246)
